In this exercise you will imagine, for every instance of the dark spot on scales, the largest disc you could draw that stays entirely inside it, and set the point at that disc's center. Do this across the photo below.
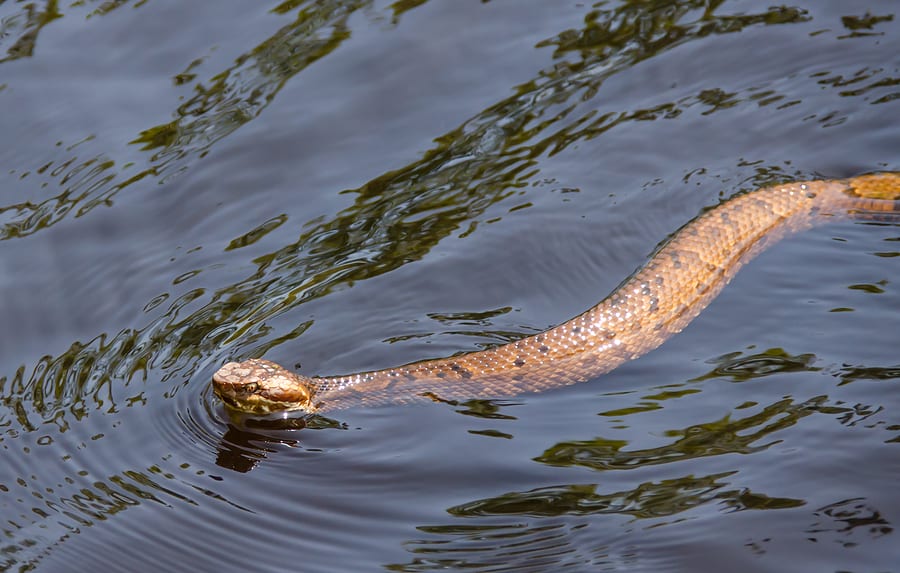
(654, 304)
(465, 373)
(519, 362)
(545, 349)
(576, 329)
(441, 374)
(645, 289)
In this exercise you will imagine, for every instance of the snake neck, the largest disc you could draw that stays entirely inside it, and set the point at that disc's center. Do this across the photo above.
(659, 300)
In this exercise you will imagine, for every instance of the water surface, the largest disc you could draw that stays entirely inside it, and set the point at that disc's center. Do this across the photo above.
(346, 185)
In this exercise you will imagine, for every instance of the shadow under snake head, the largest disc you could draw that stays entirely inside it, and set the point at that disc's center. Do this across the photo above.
(259, 386)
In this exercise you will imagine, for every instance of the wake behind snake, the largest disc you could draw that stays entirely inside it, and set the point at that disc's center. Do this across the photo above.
(655, 302)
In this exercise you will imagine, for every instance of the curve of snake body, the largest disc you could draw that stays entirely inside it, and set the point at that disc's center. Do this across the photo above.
(651, 305)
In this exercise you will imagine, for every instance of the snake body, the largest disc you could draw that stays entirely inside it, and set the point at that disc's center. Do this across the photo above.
(651, 305)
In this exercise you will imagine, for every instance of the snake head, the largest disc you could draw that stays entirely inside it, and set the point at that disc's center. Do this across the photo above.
(258, 386)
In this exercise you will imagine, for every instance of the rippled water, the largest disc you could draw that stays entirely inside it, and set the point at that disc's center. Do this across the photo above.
(353, 185)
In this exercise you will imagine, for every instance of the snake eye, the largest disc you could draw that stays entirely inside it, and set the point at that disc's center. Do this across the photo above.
(251, 388)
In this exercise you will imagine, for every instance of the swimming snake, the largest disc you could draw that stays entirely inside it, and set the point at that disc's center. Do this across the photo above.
(683, 276)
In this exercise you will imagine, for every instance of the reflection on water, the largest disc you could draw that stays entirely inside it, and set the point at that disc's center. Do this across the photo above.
(846, 518)
(228, 100)
(19, 31)
(248, 441)
(395, 219)
(739, 367)
(453, 189)
(737, 435)
(544, 533)
(52, 511)
(495, 151)
(665, 498)
(548, 519)
(562, 539)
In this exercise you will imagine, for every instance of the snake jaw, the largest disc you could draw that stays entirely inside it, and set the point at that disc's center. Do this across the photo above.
(261, 387)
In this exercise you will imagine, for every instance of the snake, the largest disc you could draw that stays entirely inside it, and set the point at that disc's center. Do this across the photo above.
(685, 273)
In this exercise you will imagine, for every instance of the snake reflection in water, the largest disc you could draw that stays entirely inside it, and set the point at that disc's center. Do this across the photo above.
(654, 303)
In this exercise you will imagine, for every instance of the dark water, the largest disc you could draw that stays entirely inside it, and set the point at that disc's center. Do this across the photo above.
(353, 185)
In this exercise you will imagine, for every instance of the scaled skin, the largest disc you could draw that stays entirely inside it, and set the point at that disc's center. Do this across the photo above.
(650, 306)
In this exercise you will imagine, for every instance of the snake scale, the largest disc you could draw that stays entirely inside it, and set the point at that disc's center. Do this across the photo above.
(655, 302)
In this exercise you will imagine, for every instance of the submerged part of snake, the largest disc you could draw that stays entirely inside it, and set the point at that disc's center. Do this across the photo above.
(654, 303)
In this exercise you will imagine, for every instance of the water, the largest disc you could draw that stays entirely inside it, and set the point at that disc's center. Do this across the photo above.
(355, 185)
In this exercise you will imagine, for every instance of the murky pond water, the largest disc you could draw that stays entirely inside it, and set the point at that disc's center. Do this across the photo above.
(349, 185)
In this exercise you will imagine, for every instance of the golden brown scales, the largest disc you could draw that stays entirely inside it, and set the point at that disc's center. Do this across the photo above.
(654, 303)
